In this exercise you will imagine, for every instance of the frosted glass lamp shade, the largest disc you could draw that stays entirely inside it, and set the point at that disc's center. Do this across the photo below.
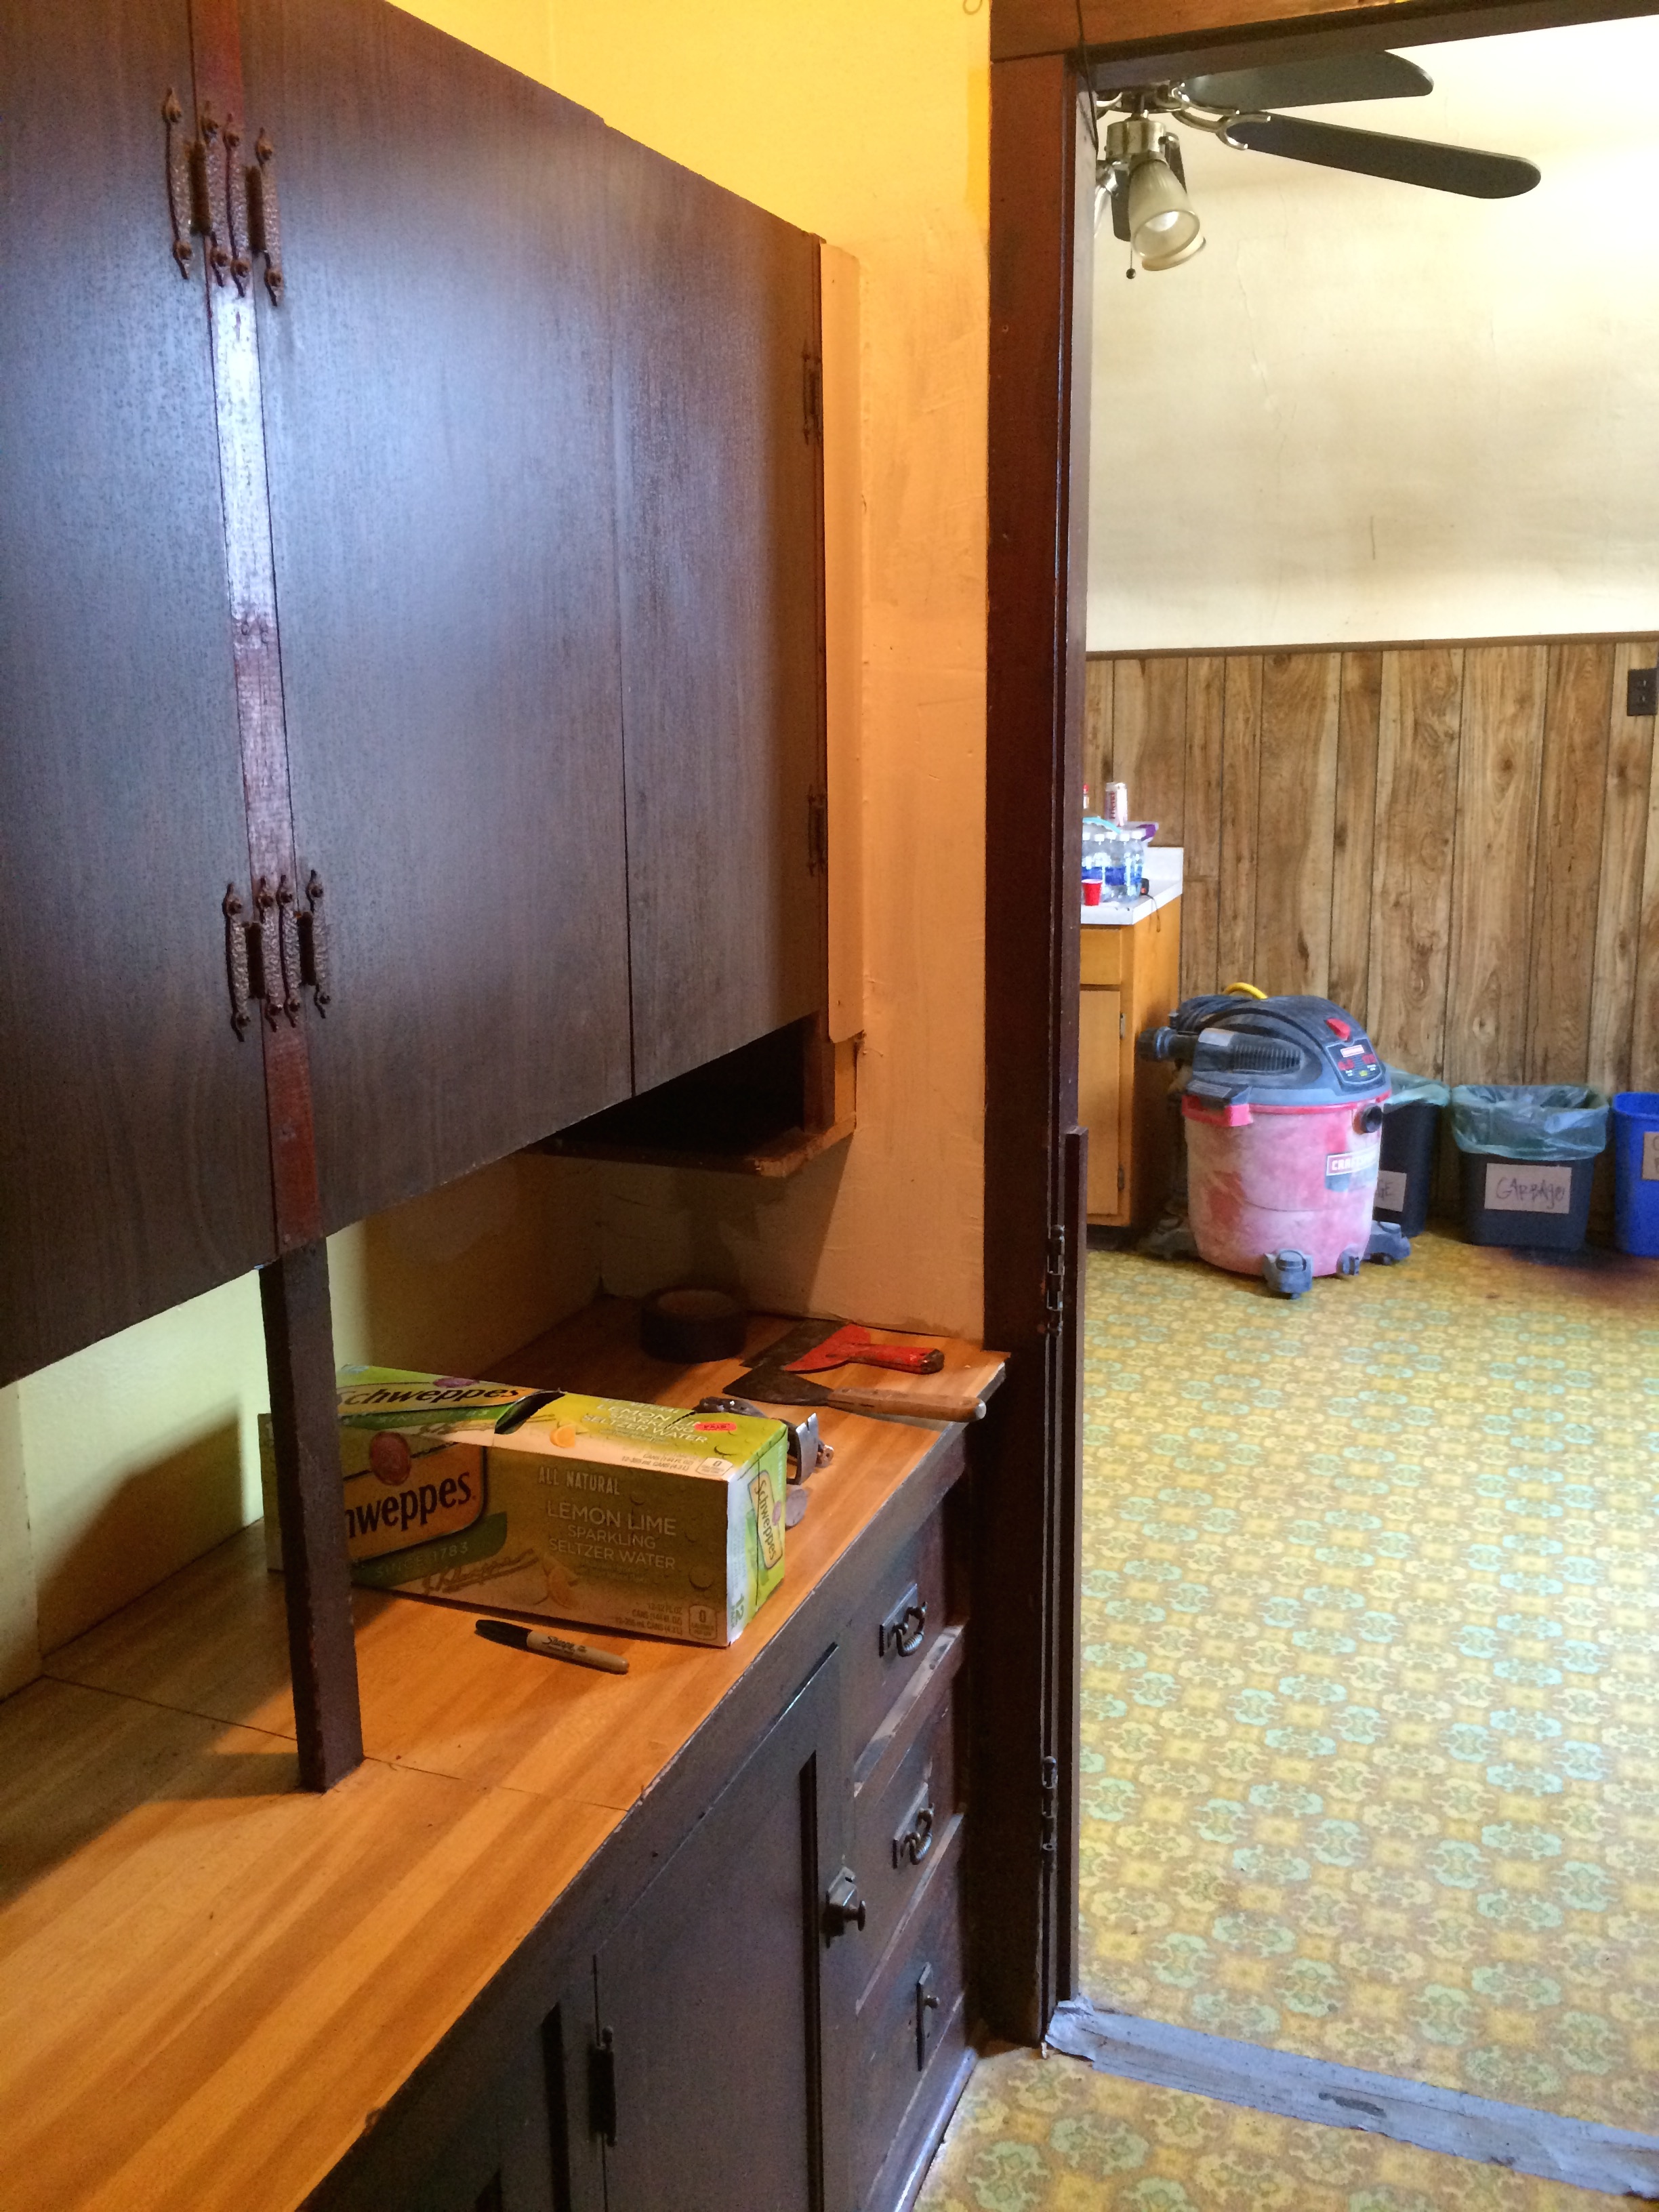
(1162, 228)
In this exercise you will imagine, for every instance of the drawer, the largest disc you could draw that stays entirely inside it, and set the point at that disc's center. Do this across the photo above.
(1101, 956)
(904, 1795)
(891, 1637)
(911, 2024)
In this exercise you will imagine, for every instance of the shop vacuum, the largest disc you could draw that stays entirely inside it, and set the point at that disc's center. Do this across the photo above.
(1282, 1100)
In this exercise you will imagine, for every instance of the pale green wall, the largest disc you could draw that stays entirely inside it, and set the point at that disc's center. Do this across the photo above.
(120, 1464)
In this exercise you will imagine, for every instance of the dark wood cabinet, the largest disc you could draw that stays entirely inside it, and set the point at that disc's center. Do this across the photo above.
(720, 496)
(438, 431)
(466, 624)
(713, 1998)
(776, 2018)
(132, 1123)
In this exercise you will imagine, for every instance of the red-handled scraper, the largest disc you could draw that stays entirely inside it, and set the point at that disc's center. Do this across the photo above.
(852, 1343)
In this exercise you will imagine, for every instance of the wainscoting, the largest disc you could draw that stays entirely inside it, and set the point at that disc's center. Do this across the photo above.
(1458, 842)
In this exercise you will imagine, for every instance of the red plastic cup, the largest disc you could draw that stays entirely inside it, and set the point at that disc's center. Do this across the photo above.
(1091, 891)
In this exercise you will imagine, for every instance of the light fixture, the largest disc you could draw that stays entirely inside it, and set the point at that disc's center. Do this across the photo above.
(1141, 174)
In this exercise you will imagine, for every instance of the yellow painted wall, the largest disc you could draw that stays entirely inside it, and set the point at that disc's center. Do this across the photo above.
(867, 121)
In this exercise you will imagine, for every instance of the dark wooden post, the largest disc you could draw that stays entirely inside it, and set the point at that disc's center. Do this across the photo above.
(317, 1575)
(1026, 1600)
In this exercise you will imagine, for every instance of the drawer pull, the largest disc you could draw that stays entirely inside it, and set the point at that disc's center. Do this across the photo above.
(844, 1908)
(904, 1628)
(926, 2005)
(912, 1847)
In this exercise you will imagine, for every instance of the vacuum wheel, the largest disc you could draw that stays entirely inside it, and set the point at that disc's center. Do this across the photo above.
(1287, 1273)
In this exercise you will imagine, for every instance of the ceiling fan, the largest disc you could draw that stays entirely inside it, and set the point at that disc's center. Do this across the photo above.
(1140, 175)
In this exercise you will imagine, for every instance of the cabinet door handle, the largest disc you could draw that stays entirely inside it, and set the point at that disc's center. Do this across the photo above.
(236, 961)
(315, 968)
(288, 939)
(241, 267)
(207, 176)
(264, 221)
(178, 163)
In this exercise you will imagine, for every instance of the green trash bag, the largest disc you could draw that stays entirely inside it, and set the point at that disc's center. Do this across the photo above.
(1413, 1090)
(1529, 1121)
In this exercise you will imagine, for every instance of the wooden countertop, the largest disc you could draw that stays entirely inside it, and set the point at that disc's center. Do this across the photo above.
(211, 1982)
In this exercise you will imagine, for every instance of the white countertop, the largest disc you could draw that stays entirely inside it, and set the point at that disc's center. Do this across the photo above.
(1163, 873)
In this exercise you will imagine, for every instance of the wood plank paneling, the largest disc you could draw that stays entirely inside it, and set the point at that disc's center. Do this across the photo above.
(1097, 730)
(1625, 840)
(1149, 742)
(1411, 880)
(1241, 762)
(1301, 699)
(1460, 843)
(1569, 809)
(1353, 831)
(1206, 679)
(1504, 689)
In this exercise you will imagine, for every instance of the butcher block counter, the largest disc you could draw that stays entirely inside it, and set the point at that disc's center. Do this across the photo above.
(218, 1991)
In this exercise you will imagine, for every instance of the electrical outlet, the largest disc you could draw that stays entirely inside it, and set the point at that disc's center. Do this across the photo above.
(1642, 691)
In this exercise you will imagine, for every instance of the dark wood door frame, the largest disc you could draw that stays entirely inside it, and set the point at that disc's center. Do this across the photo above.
(1045, 54)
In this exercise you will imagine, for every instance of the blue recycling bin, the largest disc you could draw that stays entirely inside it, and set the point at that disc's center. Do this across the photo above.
(1636, 1171)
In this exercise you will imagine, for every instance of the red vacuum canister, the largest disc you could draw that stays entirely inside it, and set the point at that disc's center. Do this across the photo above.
(1282, 1107)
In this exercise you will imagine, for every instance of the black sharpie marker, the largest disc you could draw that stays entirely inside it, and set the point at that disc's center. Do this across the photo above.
(549, 1647)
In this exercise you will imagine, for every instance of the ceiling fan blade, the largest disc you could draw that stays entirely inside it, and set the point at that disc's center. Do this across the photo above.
(1374, 154)
(1312, 84)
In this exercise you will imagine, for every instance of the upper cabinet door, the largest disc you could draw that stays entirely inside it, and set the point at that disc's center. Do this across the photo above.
(437, 382)
(719, 499)
(133, 1168)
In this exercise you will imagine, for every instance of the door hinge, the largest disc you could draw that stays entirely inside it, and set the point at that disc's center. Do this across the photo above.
(1054, 1279)
(1121, 1177)
(1122, 1027)
(602, 2087)
(818, 833)
(811, 397)
(1050, 1806)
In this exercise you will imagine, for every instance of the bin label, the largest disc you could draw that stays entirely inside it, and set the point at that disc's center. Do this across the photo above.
(1349, 1170)
(1651, 1155)
(1528, 1187)
(1391, 1189)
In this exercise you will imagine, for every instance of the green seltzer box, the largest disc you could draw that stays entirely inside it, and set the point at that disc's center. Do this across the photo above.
(646, 1518)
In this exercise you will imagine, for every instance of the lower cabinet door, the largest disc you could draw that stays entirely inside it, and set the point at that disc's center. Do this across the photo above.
(502, 2157)
(706, 2079)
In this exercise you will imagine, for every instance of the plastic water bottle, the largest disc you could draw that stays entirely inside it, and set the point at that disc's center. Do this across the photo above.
(1095, 833)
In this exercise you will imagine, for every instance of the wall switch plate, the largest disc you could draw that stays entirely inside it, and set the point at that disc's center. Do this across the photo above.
(1642, 691)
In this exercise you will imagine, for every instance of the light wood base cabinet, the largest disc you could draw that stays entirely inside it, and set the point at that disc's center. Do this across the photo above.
(1131, 981)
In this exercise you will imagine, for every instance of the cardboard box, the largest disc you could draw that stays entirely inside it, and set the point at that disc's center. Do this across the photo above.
(591, 1510)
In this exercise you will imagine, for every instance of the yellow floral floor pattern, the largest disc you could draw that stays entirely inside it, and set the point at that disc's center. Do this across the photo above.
(1036, 2135)
(1371, 1703)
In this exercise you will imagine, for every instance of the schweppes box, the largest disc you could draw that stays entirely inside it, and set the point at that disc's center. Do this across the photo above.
(589, 1509)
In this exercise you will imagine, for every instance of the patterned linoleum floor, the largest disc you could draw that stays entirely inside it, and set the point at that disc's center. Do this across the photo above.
(1370, 1723)
(1050, 2135)
(1370, 1706)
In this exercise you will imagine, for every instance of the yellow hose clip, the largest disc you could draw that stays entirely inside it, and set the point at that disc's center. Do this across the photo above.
(1243, 991)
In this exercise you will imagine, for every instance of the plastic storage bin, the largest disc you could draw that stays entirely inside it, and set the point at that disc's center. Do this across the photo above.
(1636, 1171)
(1405, 1171)
(1529, 1157)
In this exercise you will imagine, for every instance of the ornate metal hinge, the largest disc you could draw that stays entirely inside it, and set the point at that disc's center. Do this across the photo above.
(315, 969)
(811, 397)
(1053, 1280)
(265, 222)
(602, 2087)
(1050, 1806)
